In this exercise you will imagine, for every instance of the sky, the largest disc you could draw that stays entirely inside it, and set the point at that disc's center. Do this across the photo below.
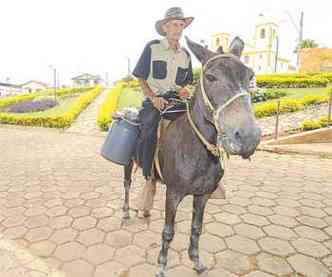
(99, 36)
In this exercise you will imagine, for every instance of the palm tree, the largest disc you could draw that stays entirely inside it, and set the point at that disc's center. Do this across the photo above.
(306, 43)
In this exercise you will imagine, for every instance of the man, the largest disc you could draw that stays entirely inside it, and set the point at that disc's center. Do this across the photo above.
(163, 66)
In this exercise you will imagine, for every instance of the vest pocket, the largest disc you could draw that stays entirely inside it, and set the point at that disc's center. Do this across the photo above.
(159, 69)
(181, 76)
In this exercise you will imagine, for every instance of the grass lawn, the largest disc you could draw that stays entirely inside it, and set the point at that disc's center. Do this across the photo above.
(130, 98)
(65, 104)
(300, 92)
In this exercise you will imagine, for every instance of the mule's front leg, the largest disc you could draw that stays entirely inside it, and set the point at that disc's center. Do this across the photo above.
(172, 202)
(196, 230)
(127, 182)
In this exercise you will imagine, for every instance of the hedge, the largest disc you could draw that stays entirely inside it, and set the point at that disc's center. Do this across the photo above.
(314, 124)
(287, 80)
(289, 105)
(109, 106)
(61, 121)
(10, 100)
(291, 82)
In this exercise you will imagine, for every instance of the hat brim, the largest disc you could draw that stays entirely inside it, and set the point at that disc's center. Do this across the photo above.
(160, 23)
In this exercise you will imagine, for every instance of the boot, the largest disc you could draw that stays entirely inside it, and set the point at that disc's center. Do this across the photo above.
(220, 192)
(147, 197)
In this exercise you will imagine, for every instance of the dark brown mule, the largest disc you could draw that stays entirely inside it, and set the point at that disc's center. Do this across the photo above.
(221, 111)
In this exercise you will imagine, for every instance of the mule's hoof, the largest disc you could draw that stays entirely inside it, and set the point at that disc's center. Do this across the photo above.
(146, 213)
(161, 274)
(200, 268)
(126, 217)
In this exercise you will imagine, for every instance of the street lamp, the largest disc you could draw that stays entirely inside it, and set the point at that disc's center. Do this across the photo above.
(128, 66)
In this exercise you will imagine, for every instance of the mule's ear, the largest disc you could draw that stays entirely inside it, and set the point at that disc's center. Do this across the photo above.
(236, 47)
(200, 52)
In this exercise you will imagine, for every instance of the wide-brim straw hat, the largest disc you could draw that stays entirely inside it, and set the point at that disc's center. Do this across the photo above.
(171, 14)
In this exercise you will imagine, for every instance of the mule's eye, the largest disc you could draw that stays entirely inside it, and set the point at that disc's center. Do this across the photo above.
(210, 77)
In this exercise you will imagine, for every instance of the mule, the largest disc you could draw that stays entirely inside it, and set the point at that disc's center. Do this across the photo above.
(220, 115)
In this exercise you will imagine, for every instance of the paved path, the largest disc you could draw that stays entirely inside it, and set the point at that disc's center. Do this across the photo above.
(86, 121)
(61, 202)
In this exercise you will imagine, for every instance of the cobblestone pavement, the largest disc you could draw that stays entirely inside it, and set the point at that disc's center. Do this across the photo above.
(61, 202)
(292, 121)
(86, 121)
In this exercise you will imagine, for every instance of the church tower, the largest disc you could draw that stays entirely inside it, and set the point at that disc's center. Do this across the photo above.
(265, 40)
(220, 39)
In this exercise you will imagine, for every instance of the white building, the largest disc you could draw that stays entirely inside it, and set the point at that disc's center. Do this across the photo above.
(7, 89)
(260, 52)
(34, 86)
(86, 80)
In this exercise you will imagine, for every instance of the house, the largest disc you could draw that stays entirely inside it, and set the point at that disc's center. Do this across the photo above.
(260, 52)
(7, 89)
(316, 59)
(34, 86)
(86, 80)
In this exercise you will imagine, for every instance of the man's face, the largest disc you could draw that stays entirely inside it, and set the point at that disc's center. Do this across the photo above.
(174, 28)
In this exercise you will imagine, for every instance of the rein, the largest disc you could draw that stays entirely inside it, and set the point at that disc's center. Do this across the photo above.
(215, 150)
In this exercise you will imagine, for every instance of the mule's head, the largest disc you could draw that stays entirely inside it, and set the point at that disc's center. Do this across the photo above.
(224, 78)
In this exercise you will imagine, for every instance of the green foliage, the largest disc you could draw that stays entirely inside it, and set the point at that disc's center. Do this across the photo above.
(314, 124)
(286, 80)
(306, 43)
(56, 121)
(271, 81)
(288, 105)
(262, 95)
(109, 106)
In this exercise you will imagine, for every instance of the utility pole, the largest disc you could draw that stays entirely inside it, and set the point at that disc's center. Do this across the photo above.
(299, 29)
(54, 76)
(54, 79)
(277, 54)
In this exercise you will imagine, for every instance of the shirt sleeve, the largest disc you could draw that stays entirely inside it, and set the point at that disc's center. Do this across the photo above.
(142, 68)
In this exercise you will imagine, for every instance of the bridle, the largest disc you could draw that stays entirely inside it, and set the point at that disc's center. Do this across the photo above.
(215, 150)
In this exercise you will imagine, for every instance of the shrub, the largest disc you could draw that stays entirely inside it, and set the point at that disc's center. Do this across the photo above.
(286, 80)
(288, 105)
(262, 95)
(61, 121)
(314, 124)
(16, 99)
(109, 106)
(271, 81)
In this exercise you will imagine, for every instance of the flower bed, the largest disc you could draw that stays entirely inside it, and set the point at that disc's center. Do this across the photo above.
(61, 121)
(289, 105)
(109, 106)
(32, 106)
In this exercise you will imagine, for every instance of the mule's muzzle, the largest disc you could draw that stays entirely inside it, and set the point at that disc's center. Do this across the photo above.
(241, 142)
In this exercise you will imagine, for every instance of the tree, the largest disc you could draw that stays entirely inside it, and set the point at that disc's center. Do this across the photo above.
(306, 43)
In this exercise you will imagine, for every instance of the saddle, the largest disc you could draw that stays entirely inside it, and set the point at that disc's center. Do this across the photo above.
(175, 108)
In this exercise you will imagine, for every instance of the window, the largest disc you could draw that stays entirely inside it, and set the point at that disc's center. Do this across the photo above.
(262, 35)
(217, 42)
(246, 59)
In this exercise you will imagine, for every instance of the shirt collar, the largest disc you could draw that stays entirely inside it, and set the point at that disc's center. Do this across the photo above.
(166, 45)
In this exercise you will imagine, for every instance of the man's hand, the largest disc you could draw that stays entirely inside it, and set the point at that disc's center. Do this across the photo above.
(184, 93)
(159, 102)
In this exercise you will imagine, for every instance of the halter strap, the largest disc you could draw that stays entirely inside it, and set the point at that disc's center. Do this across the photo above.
(214, 149)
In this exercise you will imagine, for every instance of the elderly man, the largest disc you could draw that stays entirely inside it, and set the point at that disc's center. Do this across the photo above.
(164, 66)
